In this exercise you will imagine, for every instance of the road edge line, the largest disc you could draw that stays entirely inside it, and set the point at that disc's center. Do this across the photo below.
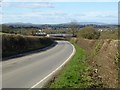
(74, 50)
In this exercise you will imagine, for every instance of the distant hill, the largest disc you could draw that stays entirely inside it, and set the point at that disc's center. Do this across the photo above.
(88, 23)
(64, 25)
(95, 23)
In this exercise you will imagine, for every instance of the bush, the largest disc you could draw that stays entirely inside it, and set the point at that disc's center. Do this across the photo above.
(89, 33)
(15, 44)
(7, 29)
(110, 34)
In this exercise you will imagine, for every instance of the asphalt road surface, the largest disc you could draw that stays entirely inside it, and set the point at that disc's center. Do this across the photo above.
(33, 70)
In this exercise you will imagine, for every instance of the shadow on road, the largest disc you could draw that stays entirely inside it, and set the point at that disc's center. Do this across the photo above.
(30, 52)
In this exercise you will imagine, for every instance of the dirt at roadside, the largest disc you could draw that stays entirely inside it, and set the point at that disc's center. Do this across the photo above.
(102, 57)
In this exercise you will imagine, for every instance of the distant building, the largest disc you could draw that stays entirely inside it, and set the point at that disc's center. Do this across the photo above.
(59, 35)
(100, 30)
(40, 34)
(40, 30)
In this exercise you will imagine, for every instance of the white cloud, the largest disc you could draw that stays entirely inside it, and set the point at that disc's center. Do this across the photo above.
(36, 5)
(100, 16)
(42, 15)
(57, 14)
(5, 4)
(28, 4)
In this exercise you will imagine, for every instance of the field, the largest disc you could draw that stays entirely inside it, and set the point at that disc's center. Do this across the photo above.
(16, 44)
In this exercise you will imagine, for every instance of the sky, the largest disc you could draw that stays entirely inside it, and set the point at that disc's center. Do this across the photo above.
(59, 12)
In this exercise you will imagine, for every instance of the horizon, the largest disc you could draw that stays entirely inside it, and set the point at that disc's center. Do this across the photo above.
(60, 12)
(82, 23)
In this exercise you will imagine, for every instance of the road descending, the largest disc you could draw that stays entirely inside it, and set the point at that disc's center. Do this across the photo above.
(32, 71)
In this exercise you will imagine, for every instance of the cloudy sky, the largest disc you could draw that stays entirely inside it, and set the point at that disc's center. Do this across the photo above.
(59, 12)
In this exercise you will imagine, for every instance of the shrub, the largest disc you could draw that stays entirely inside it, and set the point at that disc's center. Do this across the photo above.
(89, 33)
(15, 44)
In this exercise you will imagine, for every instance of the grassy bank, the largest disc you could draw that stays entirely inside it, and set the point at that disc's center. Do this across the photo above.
(16, 44)
(76, 73)
(118, 60)
(102, 56)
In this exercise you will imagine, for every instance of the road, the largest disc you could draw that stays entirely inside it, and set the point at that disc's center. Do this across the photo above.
(33, 70)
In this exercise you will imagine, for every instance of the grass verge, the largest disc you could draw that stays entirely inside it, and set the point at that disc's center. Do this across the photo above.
(76, 73)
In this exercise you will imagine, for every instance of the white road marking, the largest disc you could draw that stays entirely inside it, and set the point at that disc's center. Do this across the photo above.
(56, 69)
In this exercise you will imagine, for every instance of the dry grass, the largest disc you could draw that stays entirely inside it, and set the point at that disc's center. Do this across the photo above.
(102, 57)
